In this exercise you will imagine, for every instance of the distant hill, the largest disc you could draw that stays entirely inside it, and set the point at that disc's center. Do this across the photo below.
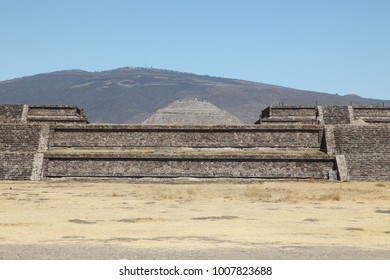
(130, 95)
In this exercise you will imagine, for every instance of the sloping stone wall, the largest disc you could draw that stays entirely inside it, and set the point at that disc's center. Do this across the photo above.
(16, 166)
(18, 144)
(19, 137)
(366, 149)
(11, 113)
(336, 115)
(362, 139)
(185, 136)
(56, 114)
(288, 114)
(41, 113)
(328, 115)
(291, 111)
(202, 166)
(369, 166)
(372, 114)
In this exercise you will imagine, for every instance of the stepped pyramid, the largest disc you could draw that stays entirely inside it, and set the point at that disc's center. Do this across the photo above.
(192, 112)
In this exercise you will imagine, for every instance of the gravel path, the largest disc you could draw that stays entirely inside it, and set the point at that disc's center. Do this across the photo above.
(105, 252)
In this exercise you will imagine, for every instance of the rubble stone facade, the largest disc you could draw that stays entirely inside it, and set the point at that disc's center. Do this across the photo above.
(42, 142)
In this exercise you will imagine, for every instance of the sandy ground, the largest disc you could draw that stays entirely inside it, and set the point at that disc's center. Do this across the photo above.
(194, 220)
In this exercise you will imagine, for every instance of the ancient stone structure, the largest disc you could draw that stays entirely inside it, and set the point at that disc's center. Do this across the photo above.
(326, 115)
(192, 112)
(41, 113)
(316, 142)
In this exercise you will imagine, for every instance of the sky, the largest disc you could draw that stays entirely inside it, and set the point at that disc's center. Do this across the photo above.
(333, 46)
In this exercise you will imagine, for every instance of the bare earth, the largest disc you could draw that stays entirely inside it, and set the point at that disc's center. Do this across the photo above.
(194, 220)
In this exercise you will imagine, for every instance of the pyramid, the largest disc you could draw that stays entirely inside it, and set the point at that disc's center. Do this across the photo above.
(192, 112)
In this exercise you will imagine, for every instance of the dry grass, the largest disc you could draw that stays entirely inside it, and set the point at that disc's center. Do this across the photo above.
(195, 214)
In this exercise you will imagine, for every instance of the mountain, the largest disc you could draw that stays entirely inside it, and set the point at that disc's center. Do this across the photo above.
(130, 95)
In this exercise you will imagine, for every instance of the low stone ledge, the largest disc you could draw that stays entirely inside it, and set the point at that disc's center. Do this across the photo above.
(184, 128)
(185, 136)
(162, 156)
(196, 166)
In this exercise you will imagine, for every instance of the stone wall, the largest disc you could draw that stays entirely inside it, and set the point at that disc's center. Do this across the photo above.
(372, 114)
(11, 113)
(291, 111)
(53, 110)
(19, 137)
(358, 152)
(330, 115)
(16, 166)
(41, 113)
(366, 149)
(56, 113)
(288, 114)
(21, 146)
(185, 136)
(336, 115)
(362, 139)
(369, 166)
(202, 166)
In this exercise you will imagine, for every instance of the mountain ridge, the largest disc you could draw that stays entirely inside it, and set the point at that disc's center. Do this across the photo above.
(132, 94)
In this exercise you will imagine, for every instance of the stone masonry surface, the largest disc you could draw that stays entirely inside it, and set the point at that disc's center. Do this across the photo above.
(16, 166)
(366, 149)
(372, 114)
(362, 150)
(336, 115)
(330, 115)
(41, 113)
(19, 137)
(18, 143)
(204, 166)
(185, 136)
(10, 113)
(291, 111)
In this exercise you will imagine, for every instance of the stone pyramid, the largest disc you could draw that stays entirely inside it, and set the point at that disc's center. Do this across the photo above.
(192, 112)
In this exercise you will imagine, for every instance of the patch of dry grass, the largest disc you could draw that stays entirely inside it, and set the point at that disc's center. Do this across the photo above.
(185, 193)
(164, 214)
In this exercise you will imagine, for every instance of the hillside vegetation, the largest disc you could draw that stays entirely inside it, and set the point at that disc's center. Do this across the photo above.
(130, 95)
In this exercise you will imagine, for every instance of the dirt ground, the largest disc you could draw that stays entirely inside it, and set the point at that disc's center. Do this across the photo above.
(73, 219)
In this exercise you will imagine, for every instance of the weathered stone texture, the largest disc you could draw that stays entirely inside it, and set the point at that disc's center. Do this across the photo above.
(336, 115)
(342, 168)
(362, 139)
(366, 149)
(10, 113)
(289, 114)
(204, 166)
(16, 166)
(291, 111)
(192, 112)
(368, 166)
(372, 114)
(186, 136)
(329, 115)
(17, 146)
(46, 110)
(56, 113)
(19, 138)
(41, 113)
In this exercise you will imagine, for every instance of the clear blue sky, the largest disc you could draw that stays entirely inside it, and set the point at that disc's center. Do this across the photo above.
(335, 46)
